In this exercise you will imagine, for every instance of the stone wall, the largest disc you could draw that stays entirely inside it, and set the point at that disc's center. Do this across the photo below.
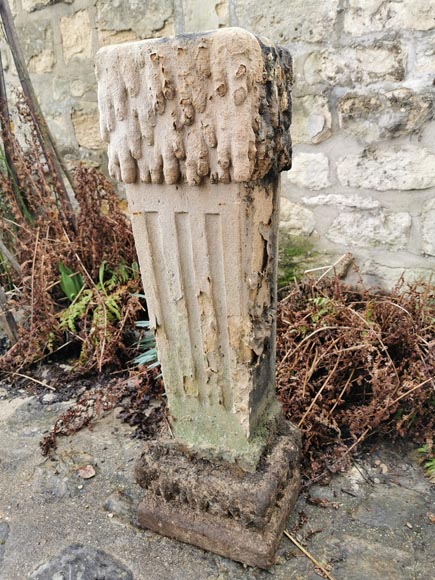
(363, 178)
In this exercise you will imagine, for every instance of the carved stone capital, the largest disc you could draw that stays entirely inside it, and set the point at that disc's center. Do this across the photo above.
(204, 106)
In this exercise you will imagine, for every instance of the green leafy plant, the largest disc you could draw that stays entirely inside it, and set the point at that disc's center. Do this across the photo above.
(96, 312)
(428, 460)
(294, 255)
(147, 344)
(70, 283)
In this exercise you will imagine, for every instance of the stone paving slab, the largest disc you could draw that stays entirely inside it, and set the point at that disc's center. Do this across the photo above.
(55, 525)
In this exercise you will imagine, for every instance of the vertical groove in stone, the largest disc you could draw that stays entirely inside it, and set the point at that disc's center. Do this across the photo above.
(159, 270)
(215, 247)
(187, 277)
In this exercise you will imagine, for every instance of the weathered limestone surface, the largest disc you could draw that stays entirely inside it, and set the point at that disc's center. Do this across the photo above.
(356, 65)
(219, 507)
(428, 227)
(376, 15)
(86, 128)
(355, 229)
(311, 121)
(76, 36)
(127, 20)
(383, 169)
(295, 219)
(306, 20)
(32, 5)
(375, 116)
(38, 47)
(207, 115)
(198, 130)
(310, 171)
(212, 84)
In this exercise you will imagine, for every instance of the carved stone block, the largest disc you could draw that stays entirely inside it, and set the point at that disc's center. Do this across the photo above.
(198, 130)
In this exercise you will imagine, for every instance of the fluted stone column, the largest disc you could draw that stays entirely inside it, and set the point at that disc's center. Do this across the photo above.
(198, 130)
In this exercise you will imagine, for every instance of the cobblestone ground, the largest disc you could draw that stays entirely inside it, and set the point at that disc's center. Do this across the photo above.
(376, 522)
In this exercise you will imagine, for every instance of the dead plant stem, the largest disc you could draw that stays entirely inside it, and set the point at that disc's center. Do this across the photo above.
(308, 555)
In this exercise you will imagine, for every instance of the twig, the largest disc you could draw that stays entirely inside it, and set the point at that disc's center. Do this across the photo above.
(33, 279)
(409, 392)
(322, 329)
(319, 392)
(308, 555)
(30, 379)
(342, 392)
(332, 267)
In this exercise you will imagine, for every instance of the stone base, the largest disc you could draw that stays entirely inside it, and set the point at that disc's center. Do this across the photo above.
(219, 507)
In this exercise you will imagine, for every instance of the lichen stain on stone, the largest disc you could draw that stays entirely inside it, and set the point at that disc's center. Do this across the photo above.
(223, 114)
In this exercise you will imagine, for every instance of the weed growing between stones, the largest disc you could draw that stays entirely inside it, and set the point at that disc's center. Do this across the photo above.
(352, 363)
(295, 253)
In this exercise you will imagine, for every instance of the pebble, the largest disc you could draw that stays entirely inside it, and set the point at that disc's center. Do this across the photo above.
(3, 392)
(49, 398)
(78, 561)
(376, 480)
(86, 472)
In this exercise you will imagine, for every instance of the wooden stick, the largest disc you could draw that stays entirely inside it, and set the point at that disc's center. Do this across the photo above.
(308, 555)
(30, 379)
(47, 142)
(6, 138)
(9, 257)
(7, 318)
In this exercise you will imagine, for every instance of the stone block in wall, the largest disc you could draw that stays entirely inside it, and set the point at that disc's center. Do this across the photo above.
(406, 168)
(382, 61)
(424, 64)
(311, 119)
(377, 15)
(378, 273)
(384, 115)
(60, 128)
(428, 228)
(36, 40)
(32, 5)
(86, 127)
(84, 85)
(371, 229)
(202, 15)
(310, 171)
(292, 20)
(143, 19)
(76, 35)
(106, 37)
(295, 219)
(338, 200)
